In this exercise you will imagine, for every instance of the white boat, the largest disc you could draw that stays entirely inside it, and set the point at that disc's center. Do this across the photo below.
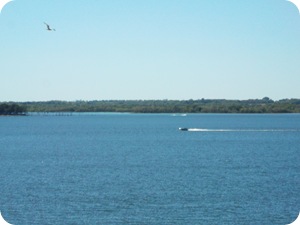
(183, 128)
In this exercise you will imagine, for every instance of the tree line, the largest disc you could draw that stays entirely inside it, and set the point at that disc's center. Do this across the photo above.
(12, 109)
(264, 105)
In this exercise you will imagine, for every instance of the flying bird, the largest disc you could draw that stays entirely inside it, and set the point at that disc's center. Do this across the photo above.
(296, 3)
(3, 3)
(48, 27)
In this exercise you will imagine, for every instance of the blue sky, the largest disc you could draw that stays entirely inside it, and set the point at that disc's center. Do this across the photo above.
(149, 49)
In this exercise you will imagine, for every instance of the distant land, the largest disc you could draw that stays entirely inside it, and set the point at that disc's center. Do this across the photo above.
(264, 105)
(12, 109)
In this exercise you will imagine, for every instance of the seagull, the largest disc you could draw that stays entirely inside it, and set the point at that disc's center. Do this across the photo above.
(48, 27)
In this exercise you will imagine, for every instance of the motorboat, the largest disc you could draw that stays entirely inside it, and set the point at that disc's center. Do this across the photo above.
(183, 129)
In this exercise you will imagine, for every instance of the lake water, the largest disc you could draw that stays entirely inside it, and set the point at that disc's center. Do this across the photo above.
(140, 169)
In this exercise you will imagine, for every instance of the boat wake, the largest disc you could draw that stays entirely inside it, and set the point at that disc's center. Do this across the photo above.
(236, 130)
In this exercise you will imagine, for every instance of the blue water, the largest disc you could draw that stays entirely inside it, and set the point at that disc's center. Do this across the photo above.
(140, 169)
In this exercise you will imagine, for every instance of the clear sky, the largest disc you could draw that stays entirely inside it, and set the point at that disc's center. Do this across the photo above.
(149, 49)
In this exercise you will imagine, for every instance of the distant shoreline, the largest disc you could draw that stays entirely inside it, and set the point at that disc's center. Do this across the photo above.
(261, 106)
(15, 115)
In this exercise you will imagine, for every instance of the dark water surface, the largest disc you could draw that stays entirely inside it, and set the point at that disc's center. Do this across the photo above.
(140, 169)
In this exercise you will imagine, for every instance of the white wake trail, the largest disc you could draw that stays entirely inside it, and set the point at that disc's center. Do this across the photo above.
(237, 130)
